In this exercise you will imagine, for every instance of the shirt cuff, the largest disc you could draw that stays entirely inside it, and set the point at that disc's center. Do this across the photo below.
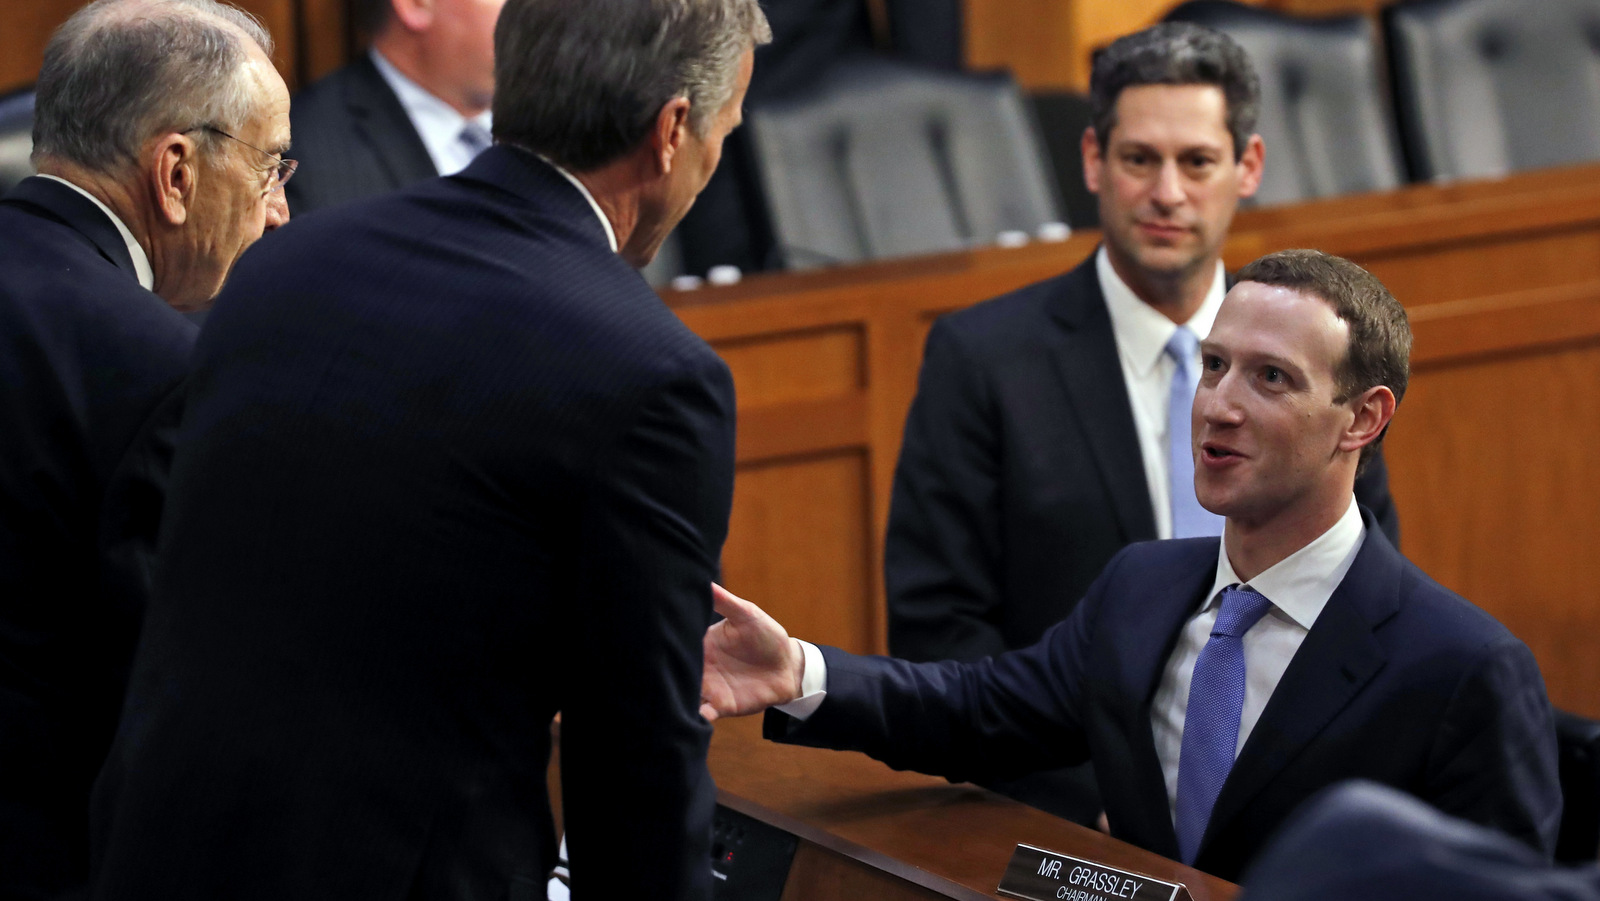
(813, 684)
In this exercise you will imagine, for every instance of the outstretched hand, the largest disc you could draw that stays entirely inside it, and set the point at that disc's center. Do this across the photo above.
(751, 663)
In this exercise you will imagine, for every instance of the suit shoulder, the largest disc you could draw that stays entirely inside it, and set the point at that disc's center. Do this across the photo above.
(1450, 618)
(1001, 324)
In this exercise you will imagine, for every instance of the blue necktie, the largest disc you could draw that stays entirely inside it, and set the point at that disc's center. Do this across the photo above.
(1211, 721)
(476, 137)
(1189, 519)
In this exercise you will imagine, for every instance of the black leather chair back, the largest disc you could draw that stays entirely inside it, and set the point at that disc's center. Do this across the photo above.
(1486, 87)
(883, 159)
(1325, 116)
(16, 138)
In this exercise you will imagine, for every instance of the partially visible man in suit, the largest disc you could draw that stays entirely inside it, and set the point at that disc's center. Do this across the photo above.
(157, 134)
(416, 105)
(1361, 840)
(419, 427)
(1050, 425)
(1218, 684)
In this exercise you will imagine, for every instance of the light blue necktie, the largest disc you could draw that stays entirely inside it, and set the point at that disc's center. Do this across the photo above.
(476, 137)
(1189, 519)
(1211, 721)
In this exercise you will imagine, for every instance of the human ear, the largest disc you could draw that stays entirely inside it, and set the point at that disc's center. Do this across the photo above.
(173, 170)
(1250, 163)
(668, 134)
(1373, 409)
(1090, 146)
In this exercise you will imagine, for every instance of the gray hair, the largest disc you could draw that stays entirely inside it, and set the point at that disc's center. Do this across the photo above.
(1176, 53)
(122, 71)
(582, 81)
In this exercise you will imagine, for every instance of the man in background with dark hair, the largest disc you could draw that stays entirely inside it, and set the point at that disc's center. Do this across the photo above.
(416, 105)
(1050, 426)
(448, 467)
(1217, 684)
(158, 136)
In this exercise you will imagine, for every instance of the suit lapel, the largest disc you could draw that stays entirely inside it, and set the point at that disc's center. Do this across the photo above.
(1164, 611)
(384, 125)
(78, 212)
(1086, 359)
(1338, 658)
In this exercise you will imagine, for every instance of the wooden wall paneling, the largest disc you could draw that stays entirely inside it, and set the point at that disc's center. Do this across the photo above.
(1492, 464)
(27, 29)
(282, 20)
(324, 36)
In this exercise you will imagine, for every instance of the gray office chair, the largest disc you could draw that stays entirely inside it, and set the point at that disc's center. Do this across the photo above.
(16, 138)
(883, 159)
(1487, 87)
(1325, 116)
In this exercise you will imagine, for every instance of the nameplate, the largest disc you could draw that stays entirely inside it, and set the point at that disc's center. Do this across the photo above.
(1035, 874)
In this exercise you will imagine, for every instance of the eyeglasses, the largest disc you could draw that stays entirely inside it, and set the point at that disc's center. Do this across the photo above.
(282, 169)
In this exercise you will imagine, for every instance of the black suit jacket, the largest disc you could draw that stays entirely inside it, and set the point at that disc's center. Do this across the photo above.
(353, 140)
(450, 467)
(1361, 840)
(1020, 475)
(1399, 681)
(90, 371)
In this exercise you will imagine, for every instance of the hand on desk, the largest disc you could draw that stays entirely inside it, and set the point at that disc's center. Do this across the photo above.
(751, 663)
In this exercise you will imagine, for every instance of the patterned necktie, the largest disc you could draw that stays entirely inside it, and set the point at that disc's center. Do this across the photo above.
(1211, 721)
(475, 137)
(1189, 519)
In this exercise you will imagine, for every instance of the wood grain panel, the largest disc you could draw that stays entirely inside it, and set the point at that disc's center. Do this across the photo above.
(770, 369)
(816, 875)
(27, 29)
(798, 545)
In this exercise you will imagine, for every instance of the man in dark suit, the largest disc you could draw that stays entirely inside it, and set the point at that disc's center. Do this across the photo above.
(1361, 840)
(1040, 440)
(138, 190)
(1216, 685)
(416, 105)
(418, 428)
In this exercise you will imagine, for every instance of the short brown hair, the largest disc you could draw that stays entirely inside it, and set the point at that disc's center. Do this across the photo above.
(1379, 352)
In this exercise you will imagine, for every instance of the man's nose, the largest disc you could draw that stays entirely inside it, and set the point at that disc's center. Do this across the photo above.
(277, 209)
(1168, 190)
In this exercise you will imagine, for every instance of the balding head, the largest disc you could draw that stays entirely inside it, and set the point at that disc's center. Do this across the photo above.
(120, 72)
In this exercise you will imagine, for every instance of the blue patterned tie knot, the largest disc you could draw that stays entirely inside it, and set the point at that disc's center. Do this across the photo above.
(1211, 720)
(1242, 607)
(1189, 519)
(476, 137)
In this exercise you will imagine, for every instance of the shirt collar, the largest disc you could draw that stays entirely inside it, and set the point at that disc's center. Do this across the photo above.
(611, 234)
(1301, 583)
(437, 123)
(1141, 332)
(141, 262)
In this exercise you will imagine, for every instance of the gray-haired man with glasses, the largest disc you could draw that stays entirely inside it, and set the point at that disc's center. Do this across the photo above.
(152, 122)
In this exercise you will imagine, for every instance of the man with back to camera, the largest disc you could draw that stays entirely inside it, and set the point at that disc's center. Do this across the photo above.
(417, 427)
(1049, 428)
(1301, 643)
(416, 105)
(158, 135)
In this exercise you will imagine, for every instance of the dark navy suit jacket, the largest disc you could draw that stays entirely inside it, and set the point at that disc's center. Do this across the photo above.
(1399, 681)
(1361, 840)
(1021, 475)
(91, 367)
(353, 140)
(450, 467)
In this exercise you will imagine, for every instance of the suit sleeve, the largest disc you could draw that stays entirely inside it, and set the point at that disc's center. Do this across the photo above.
(1494, 761)
(1372, 492)
(942, 552)
(633, 743)
(980, 721)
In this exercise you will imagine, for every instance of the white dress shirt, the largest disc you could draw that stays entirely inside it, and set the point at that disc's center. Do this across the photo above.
(141, 262)
(1298, 586)
(1142, 334)
(437, 123)
(611, 234)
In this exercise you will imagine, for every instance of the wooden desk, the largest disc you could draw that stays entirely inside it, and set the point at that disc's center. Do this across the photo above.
(867, 831)
(1492, 452)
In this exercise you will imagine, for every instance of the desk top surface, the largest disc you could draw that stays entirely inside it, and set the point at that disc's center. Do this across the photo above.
(954, 839)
